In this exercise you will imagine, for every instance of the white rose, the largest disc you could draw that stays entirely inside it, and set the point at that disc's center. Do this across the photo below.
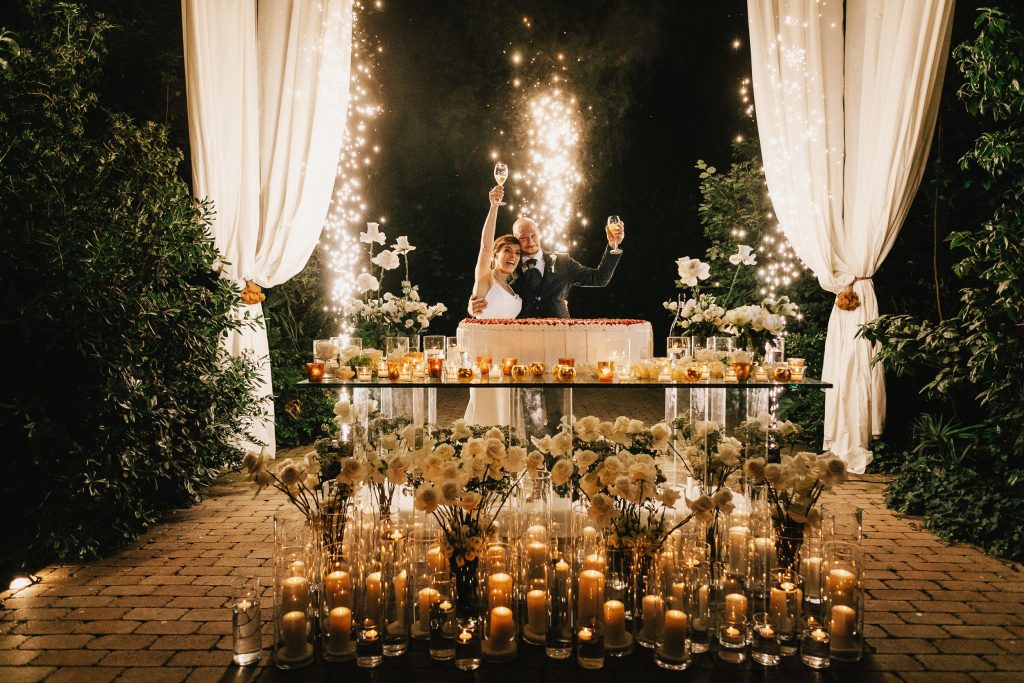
(372, 235)
(387, 259)
(584, 459)
(561, 471)
(402, 245)
(691, 270)
(744, 255)
(365, 282)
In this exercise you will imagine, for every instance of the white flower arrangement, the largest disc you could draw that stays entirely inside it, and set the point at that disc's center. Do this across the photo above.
(375, 315)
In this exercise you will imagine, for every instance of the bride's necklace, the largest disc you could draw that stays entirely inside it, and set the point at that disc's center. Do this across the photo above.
(503, 283)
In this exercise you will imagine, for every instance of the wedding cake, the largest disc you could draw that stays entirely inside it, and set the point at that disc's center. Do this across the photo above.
(548, 339)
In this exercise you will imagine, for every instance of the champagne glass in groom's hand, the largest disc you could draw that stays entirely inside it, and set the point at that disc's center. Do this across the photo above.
(615, 231)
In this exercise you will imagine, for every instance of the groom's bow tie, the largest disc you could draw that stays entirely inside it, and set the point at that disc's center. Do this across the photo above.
(529, 263)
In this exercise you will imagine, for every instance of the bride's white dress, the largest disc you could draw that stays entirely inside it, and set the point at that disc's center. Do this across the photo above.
(491, 406)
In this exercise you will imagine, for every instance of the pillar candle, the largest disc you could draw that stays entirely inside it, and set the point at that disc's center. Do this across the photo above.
(594, 562)
(340, 622)
(339, 589)
(295, 593)
(373, 598)
(764, 550)
(738, 549)
(435, 560)
(841, 583)
(536, 558)
(614, 623)
(297, 568)
(843, 627)
(428, 596)
(591, 594)
(779, 611)
(735, 608)
(653, 608)
(502, 628)
(499, 590)
(812, 569)
(678, 594)
(537, 612)
(674, 638)
(293, 633)
(401, 583)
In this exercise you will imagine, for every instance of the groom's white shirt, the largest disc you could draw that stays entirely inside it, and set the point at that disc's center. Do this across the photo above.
(540, 261)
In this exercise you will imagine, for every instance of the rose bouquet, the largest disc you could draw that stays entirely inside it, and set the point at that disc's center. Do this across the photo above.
(709, 458)
(616, 466)
(756, 326)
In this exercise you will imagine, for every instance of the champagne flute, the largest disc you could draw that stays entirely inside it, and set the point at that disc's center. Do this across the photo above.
(614, 229)
(500, 176)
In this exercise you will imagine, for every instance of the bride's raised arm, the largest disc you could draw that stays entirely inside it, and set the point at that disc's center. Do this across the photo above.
(482, 274)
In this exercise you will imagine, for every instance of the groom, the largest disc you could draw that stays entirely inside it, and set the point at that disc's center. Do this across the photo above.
(543, 280)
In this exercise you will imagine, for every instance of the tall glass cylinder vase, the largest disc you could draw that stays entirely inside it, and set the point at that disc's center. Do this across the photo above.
(499, 618)
(426, 559)
(623, 567)
(337, 605)
(693, 593)
(843, 572)
(293, 606)
(395, 584)
(534, 585)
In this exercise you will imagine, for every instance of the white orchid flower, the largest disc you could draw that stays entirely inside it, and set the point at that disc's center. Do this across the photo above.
(745, 256)
(402, 245)
(365, 282)
(387, 259)
(372, 235)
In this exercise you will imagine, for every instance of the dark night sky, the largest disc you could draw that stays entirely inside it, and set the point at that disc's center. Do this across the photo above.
(662, 80)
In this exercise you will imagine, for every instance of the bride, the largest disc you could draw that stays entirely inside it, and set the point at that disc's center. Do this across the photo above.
(496, 262)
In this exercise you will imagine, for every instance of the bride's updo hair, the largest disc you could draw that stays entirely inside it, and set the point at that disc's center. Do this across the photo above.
(500, 244)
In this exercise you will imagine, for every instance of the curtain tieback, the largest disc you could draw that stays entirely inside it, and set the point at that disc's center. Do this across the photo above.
(253, 293)
(847, 300)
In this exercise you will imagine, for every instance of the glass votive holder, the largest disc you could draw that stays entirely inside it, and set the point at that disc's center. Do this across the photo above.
(506, 366)
(483, 364)
(814, 645)
(394, 370)
(434, 345)
(435, 367)
(566, 373)
(537, 369)
(337, 600)
(842, 572)
(369, 645)
(467, 645)
(396, 348)
(442, 619)
(315, 371)
(246, 621)
(742, 364)
(605, 371)
(760, 373)
(677, 348)
(764, 641)
(571, 362)
(694, 372)
(293, 632)
(732, 638)
(785, 607)
(797, 366)
(519, 372)
(672, 652)
(464, 375)
(325, 350)
(364, 373)
(590, 645)
(780, 372)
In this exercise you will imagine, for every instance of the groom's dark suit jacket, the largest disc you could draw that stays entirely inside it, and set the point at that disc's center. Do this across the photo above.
(561, 273)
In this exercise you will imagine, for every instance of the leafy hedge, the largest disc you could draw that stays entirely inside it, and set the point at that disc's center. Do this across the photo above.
(964, 470)
(119, 402)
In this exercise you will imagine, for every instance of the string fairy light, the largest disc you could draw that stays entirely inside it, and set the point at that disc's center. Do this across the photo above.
(348, 211)
(780, 266)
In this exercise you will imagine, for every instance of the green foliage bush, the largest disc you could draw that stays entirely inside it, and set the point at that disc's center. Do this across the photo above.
(972, 359)
(118, 401)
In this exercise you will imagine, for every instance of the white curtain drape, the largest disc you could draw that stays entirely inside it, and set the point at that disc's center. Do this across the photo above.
(845, 124)
(268, 91)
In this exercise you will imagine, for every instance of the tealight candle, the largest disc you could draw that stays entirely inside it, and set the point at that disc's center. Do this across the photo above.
(316, 371)
(435, 367)
(506, 365)
(605, 373)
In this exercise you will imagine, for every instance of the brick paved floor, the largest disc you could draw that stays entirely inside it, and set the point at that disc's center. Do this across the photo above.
(155, 611)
